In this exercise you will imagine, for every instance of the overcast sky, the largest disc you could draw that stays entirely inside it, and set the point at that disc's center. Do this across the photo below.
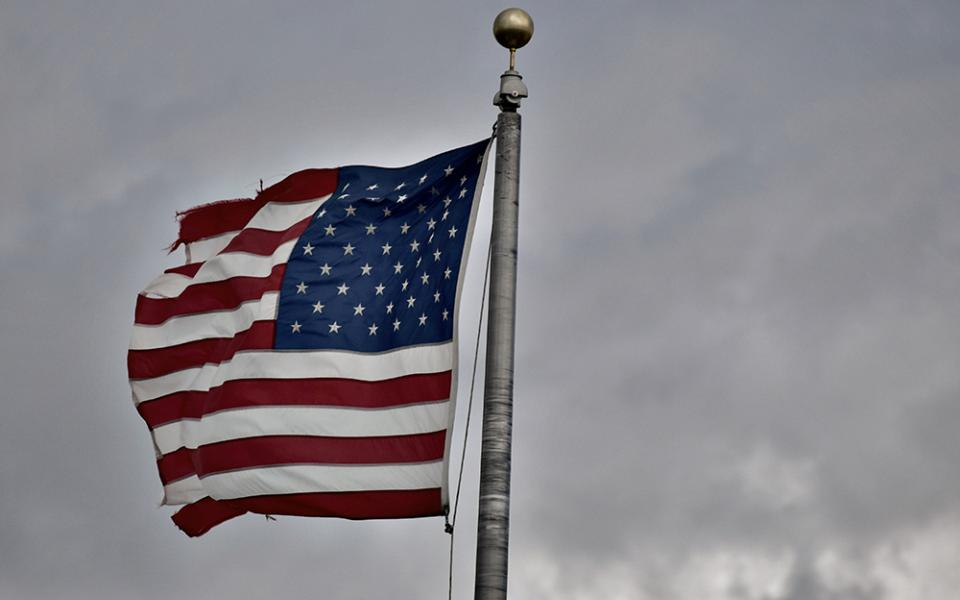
(739, 297)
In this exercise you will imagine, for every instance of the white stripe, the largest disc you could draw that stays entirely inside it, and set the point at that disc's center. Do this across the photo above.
(242, 264)
(207, 248)
(300, 364)
(167, 285)
(201, 326)
(277, 216)
(218, 268)
(305, 479)
(225, 266)
(301, 420)
(183, 491)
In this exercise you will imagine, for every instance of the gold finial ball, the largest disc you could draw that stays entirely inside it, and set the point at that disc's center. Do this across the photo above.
(513, 28)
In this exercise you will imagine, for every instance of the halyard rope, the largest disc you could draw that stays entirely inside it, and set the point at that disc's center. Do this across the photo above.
(451, 523)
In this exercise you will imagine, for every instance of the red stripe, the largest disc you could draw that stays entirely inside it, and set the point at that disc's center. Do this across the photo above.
(249, 453)
(292, 449)
(208, 220)
(302, 185)
(197, 518)
(204, 297)
(263, 242)
(143, 364)
(227, 293)
(176, 465)
(410, 389)
(189, 270)
(385, 504)
(232, 215)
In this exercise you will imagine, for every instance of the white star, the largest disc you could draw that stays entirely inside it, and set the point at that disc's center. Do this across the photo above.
(371, 229)
(396, 324)
(430, 239)
(373, 187)
(445, 314)
(380, 287)
(411, 301)
(425, 278)
(447, 201)
(386, 211)
(302, 288)
(479, 158)
(436, 296)
(318, 307)
(348, 249)
(390, 308)
(373, 329)
(308, 249)
(431, 224)
(421, 209)
(404, 228)
(342, 289)
(335, 327)
(463, 193)
(321, 213)
(446, 273)
(414, 246)
(422, 179)
(351, 211)
(448, 170)
(398, 267)
(347, 186)
(330, 229)
(419, 260)
(453, 231)
(325, 269)
(436, 255)
(365, 269)
(386, 249)
(401, 186)
(444, 216)
(342, 196)
(403, 286)
(463, 180)
(358, 310)
(295, 327)
(423, 319)
(401, 198)
(434, 191)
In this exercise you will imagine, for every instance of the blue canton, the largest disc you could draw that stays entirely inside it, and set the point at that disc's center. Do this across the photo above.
(378, 266)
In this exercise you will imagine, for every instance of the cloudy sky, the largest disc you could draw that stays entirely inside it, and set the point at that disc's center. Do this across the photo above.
(739, 329)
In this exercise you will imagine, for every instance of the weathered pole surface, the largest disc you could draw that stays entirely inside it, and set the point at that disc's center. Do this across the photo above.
(513, 28)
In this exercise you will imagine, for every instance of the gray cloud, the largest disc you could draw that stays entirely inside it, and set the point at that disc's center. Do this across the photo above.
(738, 330)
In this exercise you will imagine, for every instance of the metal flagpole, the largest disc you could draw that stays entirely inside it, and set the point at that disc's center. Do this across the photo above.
(513, 28)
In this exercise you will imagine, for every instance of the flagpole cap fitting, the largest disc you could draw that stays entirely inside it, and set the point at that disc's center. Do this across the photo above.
(513, 28)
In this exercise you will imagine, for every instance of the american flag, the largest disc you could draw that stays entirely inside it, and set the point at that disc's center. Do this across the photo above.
(303, 360)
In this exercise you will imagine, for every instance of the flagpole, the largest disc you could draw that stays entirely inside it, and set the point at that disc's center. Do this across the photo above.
(513, 28)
